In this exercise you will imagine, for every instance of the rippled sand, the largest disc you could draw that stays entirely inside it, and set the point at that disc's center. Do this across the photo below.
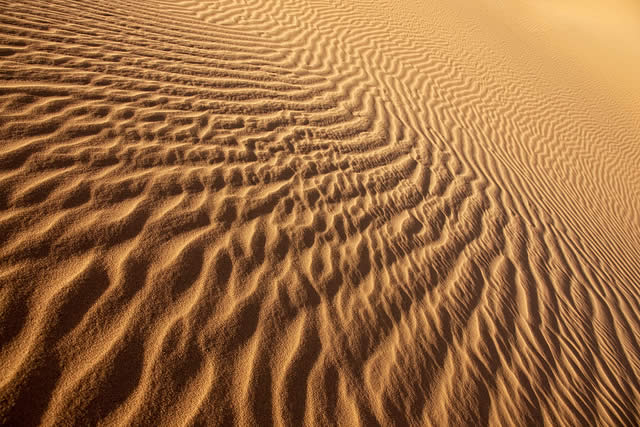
(285, 212)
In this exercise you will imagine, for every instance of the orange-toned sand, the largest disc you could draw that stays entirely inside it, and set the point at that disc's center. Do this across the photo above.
(319, 212)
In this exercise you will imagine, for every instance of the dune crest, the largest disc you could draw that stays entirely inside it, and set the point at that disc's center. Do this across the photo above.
(319, 212)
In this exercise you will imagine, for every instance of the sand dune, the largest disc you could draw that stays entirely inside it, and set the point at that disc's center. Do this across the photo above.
(324, 212)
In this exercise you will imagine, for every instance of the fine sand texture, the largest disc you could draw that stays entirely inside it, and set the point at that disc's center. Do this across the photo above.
(320, 212)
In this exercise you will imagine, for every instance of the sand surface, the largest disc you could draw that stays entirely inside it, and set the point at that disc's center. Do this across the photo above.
(324, 212)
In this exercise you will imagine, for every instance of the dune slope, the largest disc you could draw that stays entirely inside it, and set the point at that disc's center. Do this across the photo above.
(282, 212)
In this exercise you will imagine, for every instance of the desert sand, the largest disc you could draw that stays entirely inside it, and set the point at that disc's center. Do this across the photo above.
(319, 212)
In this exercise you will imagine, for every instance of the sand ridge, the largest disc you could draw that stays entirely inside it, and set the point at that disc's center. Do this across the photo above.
(285, 212)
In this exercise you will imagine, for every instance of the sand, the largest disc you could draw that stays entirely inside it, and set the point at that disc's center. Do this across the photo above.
(319, 212)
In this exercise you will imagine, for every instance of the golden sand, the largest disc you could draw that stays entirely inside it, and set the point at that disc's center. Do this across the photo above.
(319, 212)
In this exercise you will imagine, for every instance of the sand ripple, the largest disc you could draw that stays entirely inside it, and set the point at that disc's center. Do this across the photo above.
(276, 212)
